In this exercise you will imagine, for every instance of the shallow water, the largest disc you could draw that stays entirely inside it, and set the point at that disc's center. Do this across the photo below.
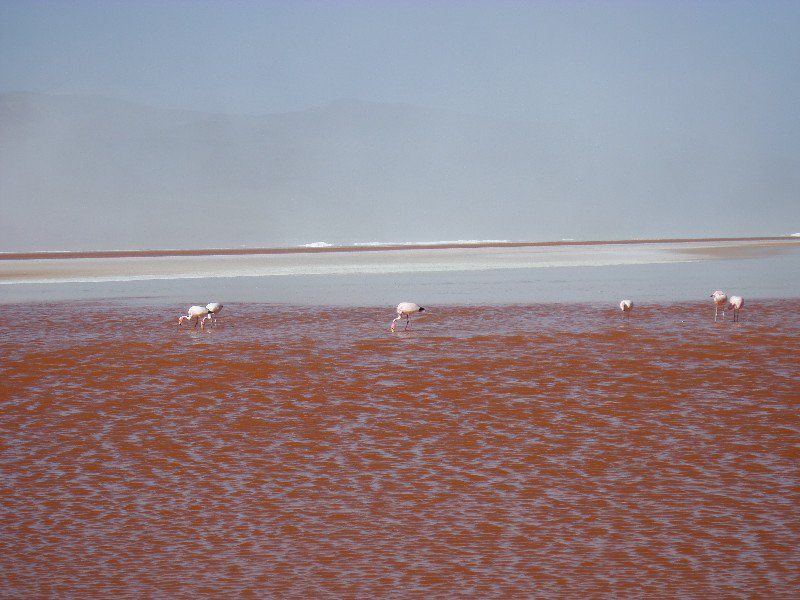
(299, 451)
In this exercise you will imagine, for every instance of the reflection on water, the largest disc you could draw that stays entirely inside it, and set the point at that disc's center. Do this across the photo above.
(307, 452)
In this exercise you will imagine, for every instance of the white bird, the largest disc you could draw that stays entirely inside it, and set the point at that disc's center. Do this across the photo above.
(626, 306)
(736, 303)
(213, 309)
(404, 310)
(195, 312)
(719, 302)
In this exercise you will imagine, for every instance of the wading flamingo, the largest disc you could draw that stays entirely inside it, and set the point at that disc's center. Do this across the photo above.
(195, 312)
(719, 302)
(213, 309)
(626, 306)
(736, 303)
(404, 309)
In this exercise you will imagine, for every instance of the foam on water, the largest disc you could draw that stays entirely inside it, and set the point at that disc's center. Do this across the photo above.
(435, 243)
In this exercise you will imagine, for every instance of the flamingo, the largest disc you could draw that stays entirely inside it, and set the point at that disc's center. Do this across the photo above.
(195, 312)
(213, 308)
(719, 301)
(404, 309)
(736, 303)
(626, 306)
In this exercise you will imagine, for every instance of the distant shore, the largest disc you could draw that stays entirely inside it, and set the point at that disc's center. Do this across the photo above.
(442, 273)
(122, 265)
(155, 253)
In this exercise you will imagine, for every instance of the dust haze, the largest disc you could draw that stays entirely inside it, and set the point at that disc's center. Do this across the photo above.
(283, 124)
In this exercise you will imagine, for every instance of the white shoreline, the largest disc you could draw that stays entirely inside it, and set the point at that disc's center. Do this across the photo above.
(365, 262)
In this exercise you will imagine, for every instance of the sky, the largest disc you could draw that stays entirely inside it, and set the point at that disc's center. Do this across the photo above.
(725, 72)
(675, 61)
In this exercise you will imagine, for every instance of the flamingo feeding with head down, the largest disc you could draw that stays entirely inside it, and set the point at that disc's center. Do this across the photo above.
(404, 310)
(719, 302)
(195, 312)
(213, 309)
(736, 303)
(626, 306)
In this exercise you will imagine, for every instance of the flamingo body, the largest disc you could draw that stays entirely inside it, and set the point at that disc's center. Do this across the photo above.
(626, 306)
(719, 298)
(198, 313)
(736, 303)
(405, 310)
(213, 309)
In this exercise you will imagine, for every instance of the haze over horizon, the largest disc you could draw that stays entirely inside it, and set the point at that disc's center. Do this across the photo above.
(138, 125)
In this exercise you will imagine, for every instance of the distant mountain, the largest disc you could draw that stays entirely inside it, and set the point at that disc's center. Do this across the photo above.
(83, 172)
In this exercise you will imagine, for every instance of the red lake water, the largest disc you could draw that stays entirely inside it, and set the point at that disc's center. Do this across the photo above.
(301, 451)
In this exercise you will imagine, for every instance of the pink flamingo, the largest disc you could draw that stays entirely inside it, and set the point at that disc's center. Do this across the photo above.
(195, 312)
(719, 302)
(404, 309)
(736, 303)
(213, 309)
(626, 306)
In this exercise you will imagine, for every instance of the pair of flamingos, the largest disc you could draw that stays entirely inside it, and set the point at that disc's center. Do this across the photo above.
(201, 314)
(721, 300)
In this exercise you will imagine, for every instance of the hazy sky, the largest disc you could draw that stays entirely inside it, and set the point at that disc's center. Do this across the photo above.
(724, 72)
(671, 62)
